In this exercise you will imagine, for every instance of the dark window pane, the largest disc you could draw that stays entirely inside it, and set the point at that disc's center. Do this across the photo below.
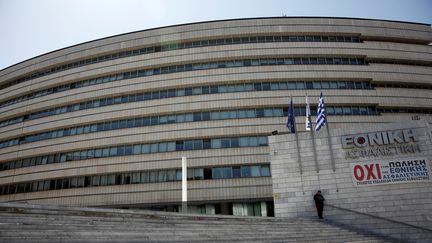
(225, 142)
(179, 145)
(206, 144)
(236, 173)
(245, 171)
(197, 116)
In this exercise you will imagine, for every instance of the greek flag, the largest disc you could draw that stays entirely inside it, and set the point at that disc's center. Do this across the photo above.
(321, 119)
(291, 119)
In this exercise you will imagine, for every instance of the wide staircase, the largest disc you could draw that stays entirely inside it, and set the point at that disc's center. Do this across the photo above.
(43, 223)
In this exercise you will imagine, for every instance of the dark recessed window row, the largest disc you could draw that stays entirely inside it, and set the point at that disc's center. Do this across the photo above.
(403, 86)
(139, 177)
(183, 45)
(180, 118)
(404, 110)
(185, 68)
(168, 93)
(134, 149)
(401, 61)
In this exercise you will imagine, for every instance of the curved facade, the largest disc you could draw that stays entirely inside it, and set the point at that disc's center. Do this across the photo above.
(105, 123)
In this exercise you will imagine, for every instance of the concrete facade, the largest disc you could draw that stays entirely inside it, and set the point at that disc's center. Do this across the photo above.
(386, 77)
(392, 208)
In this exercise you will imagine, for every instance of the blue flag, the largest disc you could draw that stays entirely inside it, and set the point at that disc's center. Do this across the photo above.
(321, 119)
(291, 119)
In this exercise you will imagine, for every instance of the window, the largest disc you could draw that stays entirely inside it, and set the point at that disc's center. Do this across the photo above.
(243, 142)
(74, 182)
(113, 151)
(236, 172)
(154, 176)
(216, 143)
(105, 152)
(103, 180)
(268, 112)
(82, 181)
(145, 148)
(154, 148)
(111, 179)
(245, 171)
(197, 144)
(265, 170)
(162, 147)
(136, 178)
(178, 175)
(217, 173)
(255, 171)
(253, 141)
(188, 145)
(127, 178)
(95, 180)
(262, 141)
(145, 177)
(215, 115)
(199, 174)
(206, 144)
(118, 179)
(162, 177)
(206, 116)
(234, 142)
(137, 149)
(197, 116)
(227, 172)
(128, 150)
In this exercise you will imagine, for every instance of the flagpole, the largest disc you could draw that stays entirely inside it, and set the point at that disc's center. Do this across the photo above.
(331, 151)
(330, 143)
(296, 138)
(309, 120)
(314, 150)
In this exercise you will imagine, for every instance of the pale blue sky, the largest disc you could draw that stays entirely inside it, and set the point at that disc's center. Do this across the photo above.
(33, 27)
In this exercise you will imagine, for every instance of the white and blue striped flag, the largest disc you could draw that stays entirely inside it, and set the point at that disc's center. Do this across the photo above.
(321, 119)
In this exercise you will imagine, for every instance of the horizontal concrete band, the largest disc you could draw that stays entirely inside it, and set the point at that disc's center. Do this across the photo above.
(194, 31)
(276, 50)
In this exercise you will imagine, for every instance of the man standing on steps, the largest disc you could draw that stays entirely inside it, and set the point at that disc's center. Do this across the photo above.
(319, 203)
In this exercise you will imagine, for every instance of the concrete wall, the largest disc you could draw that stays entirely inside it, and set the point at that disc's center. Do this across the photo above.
(409, 203)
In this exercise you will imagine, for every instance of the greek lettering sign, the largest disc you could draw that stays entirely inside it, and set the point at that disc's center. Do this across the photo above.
(377, 144)
(391, 171)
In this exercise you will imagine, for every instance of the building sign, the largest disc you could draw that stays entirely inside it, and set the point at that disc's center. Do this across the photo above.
(385, 143)
(391, 171)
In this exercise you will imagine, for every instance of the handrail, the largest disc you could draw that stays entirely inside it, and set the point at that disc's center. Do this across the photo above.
(382, 218)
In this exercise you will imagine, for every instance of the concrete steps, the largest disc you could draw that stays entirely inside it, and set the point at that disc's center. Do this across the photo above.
(42, 223)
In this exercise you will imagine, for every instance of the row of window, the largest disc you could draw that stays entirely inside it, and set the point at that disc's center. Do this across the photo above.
(404, 110)
(168, 93)
(402, 86)
(183, 45)
(134, 149)
(185, 68)
(137, 177)
(180, 118)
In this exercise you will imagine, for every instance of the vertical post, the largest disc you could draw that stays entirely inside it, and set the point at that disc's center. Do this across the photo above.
(298, 154)
(314, 151)
(299, 161)
(309, 127)
(331, 147)
(184, 185)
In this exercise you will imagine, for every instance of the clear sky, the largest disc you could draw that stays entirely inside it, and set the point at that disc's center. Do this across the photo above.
(33, 27)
